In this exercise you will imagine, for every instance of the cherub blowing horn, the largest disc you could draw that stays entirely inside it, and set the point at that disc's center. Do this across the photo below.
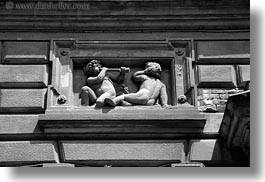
(99, 83)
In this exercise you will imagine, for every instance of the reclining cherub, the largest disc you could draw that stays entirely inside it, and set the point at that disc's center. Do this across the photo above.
(151, 88)
(100, 85)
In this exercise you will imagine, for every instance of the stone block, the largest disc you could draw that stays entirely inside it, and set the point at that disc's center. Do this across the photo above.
(23, 76)
(22, 100)
(25, 52)
(213, 122)
(215, 48)
(217, 76)
(244, 74)
(27, 152)
(19, 124)
(206, 150)
(111, 151)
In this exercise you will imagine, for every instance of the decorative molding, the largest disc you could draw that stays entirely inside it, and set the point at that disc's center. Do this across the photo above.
(64, 52)
(61, 99)
(179, 52)
(122, 122)
(179, 69)
(129, 15)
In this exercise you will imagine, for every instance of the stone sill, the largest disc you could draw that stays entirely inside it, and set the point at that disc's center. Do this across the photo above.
(123, 122)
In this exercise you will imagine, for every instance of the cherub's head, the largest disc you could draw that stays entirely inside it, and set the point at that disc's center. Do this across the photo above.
(155, 69)
(92, 68)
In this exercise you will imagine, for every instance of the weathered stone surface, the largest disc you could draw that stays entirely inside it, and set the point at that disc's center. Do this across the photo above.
(244, 74)
(216, 76)
(23, 76)
(27, 152)
(103, 15)
(123, 151)
(25, 52)
(19, 124)
(206, 150)
(217, 48)
(158, 122)
(22, 100)
(213, 122)
(216, 98)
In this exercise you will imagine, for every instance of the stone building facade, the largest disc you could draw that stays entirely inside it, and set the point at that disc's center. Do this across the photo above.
(204, 51)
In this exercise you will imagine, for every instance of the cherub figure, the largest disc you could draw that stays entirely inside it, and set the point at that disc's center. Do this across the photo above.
(151, 88)
(99, 84)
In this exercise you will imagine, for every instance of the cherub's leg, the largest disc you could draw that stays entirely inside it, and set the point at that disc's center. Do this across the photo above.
(125, 103)
(134, 98)
(100, 101)
(115, 101)
(150, 102)
(88, 96)
(137, 98)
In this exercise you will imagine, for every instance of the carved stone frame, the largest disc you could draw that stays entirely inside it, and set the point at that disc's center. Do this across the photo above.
(65, 52)
(66, 120)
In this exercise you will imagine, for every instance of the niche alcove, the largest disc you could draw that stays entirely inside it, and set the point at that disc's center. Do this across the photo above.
(65, 114)
(135, 64)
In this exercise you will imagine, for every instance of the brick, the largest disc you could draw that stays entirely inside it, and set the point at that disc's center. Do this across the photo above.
(19, 124)
(206, 150)
(27, 152)
(206, 96)
(207, 108)
(111, 150)
(217, 76)
(23, 76)
(222, 102)
(25, 99)
(224, 96)
(200, 97)
(219, 91)
(25, 52)
(206, 91)
(210, 96)
(215, 101)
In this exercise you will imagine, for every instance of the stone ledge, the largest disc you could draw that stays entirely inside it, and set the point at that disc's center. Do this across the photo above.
(148, 122)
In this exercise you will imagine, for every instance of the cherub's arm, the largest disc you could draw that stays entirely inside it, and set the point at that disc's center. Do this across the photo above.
(140, 76)
(97, 79)
(163, 96)
(120, 77)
